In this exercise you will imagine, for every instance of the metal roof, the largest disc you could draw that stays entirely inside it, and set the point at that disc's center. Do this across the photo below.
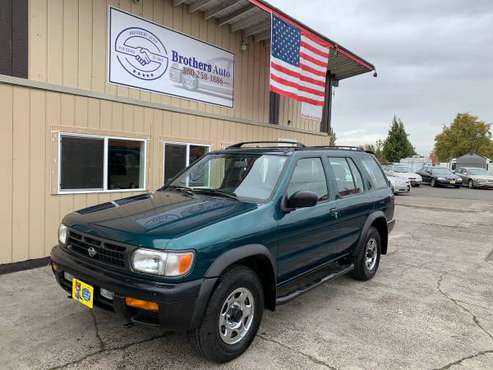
(252, 18)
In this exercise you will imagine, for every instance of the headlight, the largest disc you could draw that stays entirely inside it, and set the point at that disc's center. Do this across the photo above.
(162, 263)
(441, 179)
(458, 179)
(62, 233)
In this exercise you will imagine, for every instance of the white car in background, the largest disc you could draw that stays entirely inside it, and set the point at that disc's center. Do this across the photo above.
(400, 185)
(405, 171)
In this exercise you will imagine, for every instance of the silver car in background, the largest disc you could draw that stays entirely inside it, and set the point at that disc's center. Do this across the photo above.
(475, 177)
(400, 185)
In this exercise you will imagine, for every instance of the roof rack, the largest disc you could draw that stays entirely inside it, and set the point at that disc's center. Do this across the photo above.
(339, 147)
(293, 144)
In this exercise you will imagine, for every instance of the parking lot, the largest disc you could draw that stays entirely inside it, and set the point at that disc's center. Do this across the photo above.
(429, 307)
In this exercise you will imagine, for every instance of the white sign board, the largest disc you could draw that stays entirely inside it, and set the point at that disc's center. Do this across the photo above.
(311, 111)
(145, 55)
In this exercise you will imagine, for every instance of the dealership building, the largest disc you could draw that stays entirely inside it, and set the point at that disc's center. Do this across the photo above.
(105, 99)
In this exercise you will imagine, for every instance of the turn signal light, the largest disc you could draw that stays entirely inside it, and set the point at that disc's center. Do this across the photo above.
(140, 303)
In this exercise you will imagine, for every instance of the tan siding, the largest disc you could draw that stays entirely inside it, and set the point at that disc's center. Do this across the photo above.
(68, 46)
(6, 135)
(32, 209)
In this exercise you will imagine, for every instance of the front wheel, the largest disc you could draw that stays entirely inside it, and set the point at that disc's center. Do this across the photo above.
(367, 260)
(433, 183)
(470, 184)
(232, 317)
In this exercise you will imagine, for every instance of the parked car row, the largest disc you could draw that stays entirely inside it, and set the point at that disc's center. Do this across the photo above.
(402, 177)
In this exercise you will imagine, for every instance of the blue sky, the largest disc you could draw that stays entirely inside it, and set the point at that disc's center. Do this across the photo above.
(434, 59)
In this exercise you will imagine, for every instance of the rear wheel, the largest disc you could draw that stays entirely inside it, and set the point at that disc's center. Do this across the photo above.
(232, 317)
(367, 260)
(433, 183)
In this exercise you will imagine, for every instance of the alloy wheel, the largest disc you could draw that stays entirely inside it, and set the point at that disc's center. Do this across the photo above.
(236, 316)
(371, 254)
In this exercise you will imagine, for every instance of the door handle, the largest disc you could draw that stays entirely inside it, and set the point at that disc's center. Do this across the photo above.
(334, 212)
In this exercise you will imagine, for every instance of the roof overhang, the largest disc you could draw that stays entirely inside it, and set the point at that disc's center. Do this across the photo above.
(253, 19)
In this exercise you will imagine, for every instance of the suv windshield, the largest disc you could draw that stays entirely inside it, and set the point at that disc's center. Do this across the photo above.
(477, 171)
(248, 176)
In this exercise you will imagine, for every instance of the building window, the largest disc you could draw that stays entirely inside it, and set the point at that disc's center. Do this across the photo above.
(101, 163)
(274, 102)
(14, 37)
(177, 156)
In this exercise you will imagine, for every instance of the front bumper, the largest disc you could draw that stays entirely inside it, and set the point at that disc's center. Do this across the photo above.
(415, 182)
(448, 183)
(181, 305)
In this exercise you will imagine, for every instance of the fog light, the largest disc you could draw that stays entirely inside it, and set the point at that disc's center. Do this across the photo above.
(140, 303)
(68, 276)
(107, 294)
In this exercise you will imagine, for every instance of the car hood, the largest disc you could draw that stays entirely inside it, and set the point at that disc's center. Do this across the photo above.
(155, 218)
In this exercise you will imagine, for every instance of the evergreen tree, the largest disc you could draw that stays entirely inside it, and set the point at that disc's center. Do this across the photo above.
(397, 144)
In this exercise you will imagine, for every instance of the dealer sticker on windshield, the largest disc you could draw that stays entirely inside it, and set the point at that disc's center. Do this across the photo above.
(82, 292)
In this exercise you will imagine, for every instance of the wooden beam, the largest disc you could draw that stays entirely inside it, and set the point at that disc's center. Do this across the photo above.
(258, 28)
(249, 9)
(178, 2)
(262, 36)
(199, 5)
(221, 9)
(246, 22)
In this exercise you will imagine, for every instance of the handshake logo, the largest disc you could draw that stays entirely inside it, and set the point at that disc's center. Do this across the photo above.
(141, 53)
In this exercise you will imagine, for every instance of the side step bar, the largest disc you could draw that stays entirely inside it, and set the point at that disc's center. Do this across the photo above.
(288, 297)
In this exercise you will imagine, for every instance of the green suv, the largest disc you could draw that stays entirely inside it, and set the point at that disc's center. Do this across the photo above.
(241, 230)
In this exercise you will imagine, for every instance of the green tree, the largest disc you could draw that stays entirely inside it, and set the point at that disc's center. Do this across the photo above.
(332, 137)
(466, 134)
(397, 144)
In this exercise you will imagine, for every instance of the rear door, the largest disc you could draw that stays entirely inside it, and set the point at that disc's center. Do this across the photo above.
(351, 206)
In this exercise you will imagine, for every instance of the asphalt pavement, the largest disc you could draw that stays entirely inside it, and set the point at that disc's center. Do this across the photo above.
(430, 306)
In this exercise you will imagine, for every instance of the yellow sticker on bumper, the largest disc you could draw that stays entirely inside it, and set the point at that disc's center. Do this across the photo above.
(82, 292)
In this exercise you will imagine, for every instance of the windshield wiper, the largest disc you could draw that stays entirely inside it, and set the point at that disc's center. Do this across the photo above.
(215, 192)
(181, 189)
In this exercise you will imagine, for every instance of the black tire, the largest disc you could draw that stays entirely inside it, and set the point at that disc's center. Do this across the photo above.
(361, 269)
(207, 338)
(470, 184)
(433, 183)
(417, 185)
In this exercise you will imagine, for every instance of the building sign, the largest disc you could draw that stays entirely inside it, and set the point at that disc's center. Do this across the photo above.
(311, 111)
(145, 55)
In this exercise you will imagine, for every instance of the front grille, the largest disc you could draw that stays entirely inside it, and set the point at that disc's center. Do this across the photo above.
(96, 249)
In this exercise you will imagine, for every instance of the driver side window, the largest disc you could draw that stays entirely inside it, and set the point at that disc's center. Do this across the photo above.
(309, 175)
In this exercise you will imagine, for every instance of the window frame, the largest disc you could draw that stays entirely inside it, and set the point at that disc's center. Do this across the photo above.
(324, 169)
(333, 181)
(187, 158)
(106, 139)
(367, 178)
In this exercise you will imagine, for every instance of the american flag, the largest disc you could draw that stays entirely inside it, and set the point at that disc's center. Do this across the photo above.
(298, 63)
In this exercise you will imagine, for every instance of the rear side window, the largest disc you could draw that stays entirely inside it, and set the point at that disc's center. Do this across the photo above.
(347, 177)
(377, 177)
(309, 175)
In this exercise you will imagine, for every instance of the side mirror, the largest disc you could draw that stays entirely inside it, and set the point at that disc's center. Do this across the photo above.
(302, 199)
